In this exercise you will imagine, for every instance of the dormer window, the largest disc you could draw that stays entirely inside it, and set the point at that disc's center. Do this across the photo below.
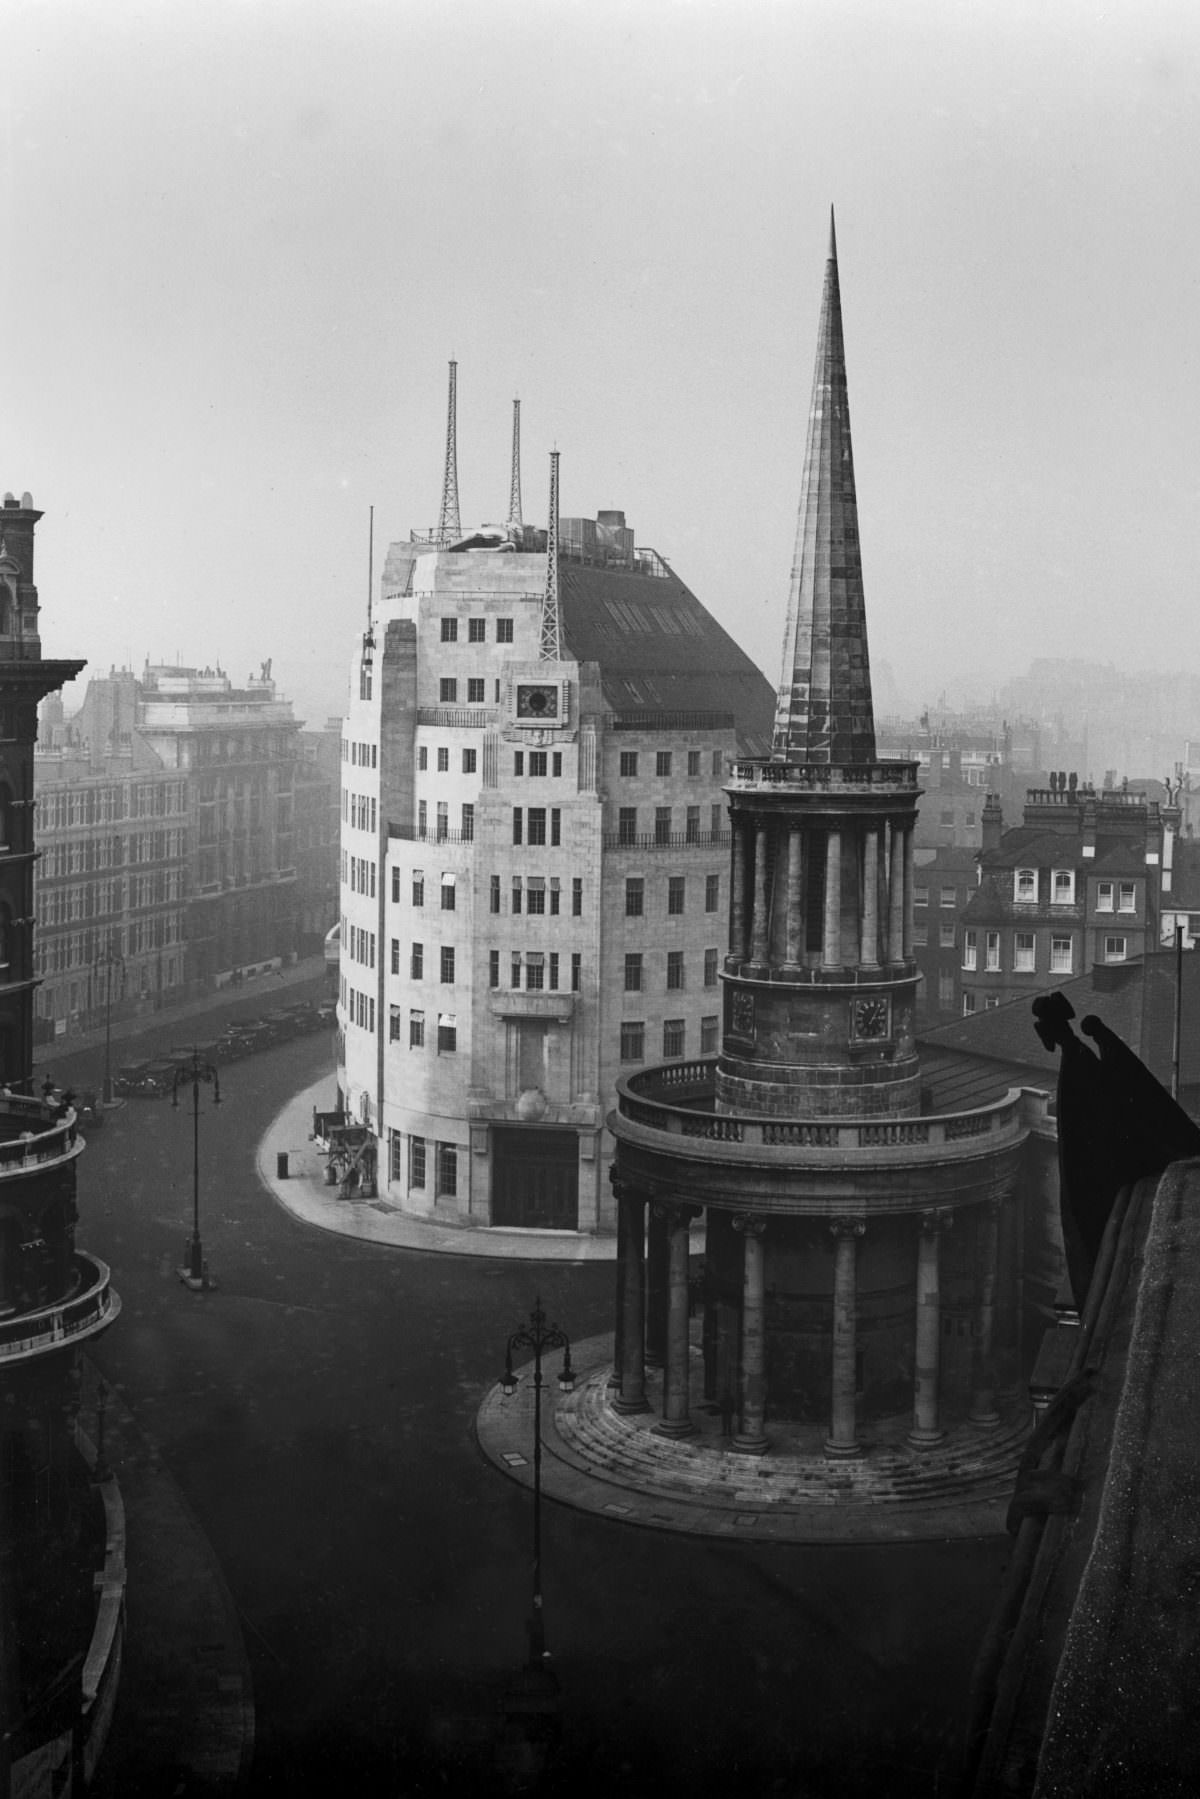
(1025, 886)
(1062, 887)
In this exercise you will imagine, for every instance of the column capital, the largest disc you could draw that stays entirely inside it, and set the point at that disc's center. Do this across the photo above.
(675, 1212)
(935, 1219)
(847, 1227)
(749, 1224)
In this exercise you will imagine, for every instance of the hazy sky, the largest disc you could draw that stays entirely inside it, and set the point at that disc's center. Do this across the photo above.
(241, 241)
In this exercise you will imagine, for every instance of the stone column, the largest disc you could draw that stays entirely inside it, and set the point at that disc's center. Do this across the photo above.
(983, 1376)
(675, 1420)
(842, 1441)
(750, 1438)
(758, 924)
(870, 899)
(614, 1379)
(907, 919)
(831, 951)
(656, 1286)
(737, 891)
(794, 951)
(632, 1397)
(926, 1429)
(896, 895)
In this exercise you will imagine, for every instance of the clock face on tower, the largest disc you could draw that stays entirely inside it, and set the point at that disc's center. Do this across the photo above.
(870, 1019)
(538, 702)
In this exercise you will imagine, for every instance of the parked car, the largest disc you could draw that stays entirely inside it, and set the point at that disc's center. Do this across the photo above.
(130, 1079)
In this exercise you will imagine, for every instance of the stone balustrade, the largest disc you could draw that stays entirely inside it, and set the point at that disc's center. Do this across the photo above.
(693, 1084)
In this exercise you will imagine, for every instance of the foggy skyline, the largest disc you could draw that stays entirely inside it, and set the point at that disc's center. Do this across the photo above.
(243, 240)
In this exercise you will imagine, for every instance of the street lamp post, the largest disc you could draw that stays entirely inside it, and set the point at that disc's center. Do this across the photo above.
(108, 961)
(540, 1337)
(194, 1273)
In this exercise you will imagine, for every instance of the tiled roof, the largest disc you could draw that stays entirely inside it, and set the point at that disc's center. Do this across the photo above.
(658, 650)
(1134, 999)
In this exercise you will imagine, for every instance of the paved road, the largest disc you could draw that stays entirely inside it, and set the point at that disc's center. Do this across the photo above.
(316, 1413)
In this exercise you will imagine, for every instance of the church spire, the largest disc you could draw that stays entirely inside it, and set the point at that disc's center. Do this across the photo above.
(824, 711)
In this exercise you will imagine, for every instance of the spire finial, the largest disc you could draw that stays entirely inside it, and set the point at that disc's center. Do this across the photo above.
(448, 521)
(824, 711)
(832, 237)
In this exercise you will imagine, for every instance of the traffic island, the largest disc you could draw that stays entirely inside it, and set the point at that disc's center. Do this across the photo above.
(619, 1466)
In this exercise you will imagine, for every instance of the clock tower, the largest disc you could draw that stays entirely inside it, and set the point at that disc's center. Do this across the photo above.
(819, 979)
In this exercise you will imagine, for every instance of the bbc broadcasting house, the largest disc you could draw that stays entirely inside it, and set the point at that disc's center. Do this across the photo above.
(534, 859)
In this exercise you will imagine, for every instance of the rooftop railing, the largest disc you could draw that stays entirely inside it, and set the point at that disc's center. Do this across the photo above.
(695, 1080)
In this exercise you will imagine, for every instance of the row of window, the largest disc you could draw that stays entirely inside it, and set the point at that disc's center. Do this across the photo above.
(627, 823)
(466, 829)
(444, 1158)
(537, 762)
(65, 809)
(359, 1008)
(360, 944)
(635, 895)
(358, 874)
(664, 762)
(534, 970)
(476, 690)
(89, 854)
(470, 760)
(85, 949)
(635, 968)
(674, 1036)
(476, 630)
(359, 810)
(360, 755)
(529, 825)
(447, 1029)
(1024, 952)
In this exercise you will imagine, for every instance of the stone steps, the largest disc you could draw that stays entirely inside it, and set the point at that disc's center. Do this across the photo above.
(589, 1435)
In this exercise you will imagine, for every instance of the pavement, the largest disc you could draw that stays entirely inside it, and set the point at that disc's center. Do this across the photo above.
(304, 1194)
(183, 1647)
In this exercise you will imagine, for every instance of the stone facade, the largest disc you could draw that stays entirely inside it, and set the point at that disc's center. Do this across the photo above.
(534, 858)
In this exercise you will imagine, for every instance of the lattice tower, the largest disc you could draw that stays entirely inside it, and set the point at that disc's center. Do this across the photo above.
(550, 649)
(514, 492)
(449, 527)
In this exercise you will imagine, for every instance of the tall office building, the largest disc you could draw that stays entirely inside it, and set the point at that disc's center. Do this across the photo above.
(534, 858)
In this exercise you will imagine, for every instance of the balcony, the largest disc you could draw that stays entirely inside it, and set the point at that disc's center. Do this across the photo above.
(32, 1134)
(848, 777)
(91, 1309)
(646, 1099)
(670, 840)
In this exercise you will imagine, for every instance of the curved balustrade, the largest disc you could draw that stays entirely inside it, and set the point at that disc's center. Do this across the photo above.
(848, 775)
(89, 1310)
(31, 1134)
(682, 1120)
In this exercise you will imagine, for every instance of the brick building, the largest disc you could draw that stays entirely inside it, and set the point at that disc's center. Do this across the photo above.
(1076, 885)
